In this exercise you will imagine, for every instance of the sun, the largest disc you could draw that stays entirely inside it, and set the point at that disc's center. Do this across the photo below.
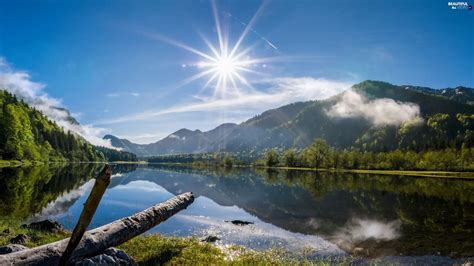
(224, 65)
(224, 70)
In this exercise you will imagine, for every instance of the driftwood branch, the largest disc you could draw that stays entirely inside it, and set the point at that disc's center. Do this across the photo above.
(88, 211)
(97, 240)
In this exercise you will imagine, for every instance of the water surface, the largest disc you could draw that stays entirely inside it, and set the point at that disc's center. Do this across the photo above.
(304, 212)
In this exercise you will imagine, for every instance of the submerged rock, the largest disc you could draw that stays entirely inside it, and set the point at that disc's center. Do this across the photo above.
(210, 239)
(239, 222)
(19, 239)
(45, 225)
(11, 248)
(111, 256)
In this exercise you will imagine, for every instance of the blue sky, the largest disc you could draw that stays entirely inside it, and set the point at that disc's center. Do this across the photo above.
(109, 63)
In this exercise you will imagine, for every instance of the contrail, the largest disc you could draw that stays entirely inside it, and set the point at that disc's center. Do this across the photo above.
(252, 29)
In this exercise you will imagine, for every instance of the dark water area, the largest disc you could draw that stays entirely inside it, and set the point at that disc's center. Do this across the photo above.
(301, 211)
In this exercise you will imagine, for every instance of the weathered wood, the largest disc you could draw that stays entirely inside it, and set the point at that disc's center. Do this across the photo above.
(97, 240)
(88, 211)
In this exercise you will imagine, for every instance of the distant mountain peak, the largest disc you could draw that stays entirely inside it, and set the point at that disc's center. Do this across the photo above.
(108, 136)
(226, 125)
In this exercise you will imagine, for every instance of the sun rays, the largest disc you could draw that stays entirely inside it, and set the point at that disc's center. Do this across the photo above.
(224, 66)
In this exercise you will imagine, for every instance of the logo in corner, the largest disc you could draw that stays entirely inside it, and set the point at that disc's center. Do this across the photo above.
(459, 5)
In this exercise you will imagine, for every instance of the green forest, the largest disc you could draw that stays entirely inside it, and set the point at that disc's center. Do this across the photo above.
(321, 155)
(28, 135)
(439, 142)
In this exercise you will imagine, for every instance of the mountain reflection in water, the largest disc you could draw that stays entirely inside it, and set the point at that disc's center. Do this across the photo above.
(297, 210)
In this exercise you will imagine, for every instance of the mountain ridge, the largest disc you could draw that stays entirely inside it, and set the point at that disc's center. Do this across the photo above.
(298, 124)
(181, 141)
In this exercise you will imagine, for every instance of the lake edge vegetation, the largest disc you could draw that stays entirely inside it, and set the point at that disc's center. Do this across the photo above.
(156, 249)
(320, 155)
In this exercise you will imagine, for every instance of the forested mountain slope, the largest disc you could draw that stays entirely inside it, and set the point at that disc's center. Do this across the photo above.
(442, 120)
(26, 134)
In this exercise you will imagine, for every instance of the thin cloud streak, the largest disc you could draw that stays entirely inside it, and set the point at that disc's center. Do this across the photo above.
(280, 91)
(120, 94)
(249, 27)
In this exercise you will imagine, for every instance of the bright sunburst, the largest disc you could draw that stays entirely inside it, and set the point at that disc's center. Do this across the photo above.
(225, 72)
(224, 66)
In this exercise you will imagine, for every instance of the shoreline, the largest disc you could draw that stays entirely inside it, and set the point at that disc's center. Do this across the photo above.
(160, 249)
(414, 173)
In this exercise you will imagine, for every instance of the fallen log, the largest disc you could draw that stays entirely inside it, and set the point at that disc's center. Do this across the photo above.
(97, 240)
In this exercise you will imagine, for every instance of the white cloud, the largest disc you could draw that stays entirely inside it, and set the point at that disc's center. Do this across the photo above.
(173, 136)
(279, 91)
(119, 94)
(112, 95)
(290, 89)
(20, 84)
(379, 111)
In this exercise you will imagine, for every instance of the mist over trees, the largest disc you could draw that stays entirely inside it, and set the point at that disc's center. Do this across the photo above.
(440, 137)
(27, 134)
(438, 142)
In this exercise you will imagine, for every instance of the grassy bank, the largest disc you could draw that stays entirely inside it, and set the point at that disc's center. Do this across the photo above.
(414, 173)
(10, 228)
(443, 174)
(160, 250)
(23, 163)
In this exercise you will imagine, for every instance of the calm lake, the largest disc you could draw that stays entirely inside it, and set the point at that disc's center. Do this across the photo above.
(305, 212)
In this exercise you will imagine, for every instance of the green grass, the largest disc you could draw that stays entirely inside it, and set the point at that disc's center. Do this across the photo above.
(155, 249)
(158, 250)
(36, 238)
(443, 174)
